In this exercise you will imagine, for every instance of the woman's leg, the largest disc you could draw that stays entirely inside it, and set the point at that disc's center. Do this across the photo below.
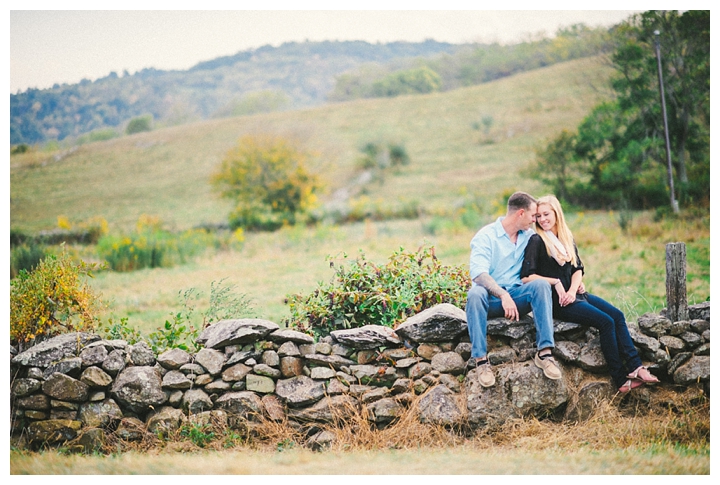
(584, 313)
(628, 352)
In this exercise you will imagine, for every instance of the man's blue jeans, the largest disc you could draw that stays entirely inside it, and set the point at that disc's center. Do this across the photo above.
(535, 296)
(617, 346)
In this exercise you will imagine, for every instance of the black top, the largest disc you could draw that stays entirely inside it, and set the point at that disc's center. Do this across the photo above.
(537, 261)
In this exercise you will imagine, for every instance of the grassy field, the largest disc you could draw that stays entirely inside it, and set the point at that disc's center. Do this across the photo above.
(165, 174)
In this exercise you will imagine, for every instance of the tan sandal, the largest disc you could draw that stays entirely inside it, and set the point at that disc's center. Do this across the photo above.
(629, 385)
(636, 376)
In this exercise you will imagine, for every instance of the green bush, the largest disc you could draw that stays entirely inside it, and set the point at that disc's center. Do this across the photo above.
(139, 124)
(363, 293)
(152, 247)
(25, 257)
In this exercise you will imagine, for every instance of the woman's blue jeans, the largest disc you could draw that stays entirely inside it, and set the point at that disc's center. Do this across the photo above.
(617, 346)
(535, 296)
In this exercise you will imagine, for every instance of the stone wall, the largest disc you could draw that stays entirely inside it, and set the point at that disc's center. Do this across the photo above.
(79, 385)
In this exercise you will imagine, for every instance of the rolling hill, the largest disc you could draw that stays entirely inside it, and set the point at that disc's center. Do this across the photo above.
(452, 146)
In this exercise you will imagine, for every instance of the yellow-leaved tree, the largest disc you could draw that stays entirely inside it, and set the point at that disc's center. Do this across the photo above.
(269, 181)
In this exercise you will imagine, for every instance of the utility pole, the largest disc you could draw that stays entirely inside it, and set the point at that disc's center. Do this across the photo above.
(673, 202)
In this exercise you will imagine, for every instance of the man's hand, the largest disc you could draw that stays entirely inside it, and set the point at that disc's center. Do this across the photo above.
(508, 304)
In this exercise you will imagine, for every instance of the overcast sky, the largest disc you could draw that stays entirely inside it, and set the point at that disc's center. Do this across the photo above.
(65, 46)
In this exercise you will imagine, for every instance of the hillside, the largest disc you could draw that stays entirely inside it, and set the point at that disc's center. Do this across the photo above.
(291, 76)
(299, 74)
(165, 172)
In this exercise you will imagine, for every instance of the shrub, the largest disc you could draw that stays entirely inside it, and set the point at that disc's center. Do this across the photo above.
(25, 257)
(52, 299)
(268, 179)
(139, 124)
(151, 246)
(364, 293)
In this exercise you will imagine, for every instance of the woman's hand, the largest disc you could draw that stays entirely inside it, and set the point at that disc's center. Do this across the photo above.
(567, 297)
(581, 288)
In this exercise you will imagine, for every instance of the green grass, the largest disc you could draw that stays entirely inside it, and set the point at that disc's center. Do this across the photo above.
(165, 172)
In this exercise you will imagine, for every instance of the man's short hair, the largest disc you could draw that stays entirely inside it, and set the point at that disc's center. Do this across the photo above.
(520, 200)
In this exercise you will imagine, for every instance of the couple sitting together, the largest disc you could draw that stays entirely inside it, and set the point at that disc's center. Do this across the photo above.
(515, 270)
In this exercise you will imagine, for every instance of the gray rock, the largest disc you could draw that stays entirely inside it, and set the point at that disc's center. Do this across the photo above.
(245, 404)
(53, 431)
(401, 386)
(239, 331)
(448, 363)
(374, 394)
(408, 362)
(89, 440)
(285, 335)
(321, 441)
(428, 351)
(299, 391)
(342, 350)
(697, 369)
(366, 337)
(236, 373)
(334, 361)
(385, 410)
(175, 379)
(274, 408)
(419, 370)
(54, 349)
(439, 406)
(36, 402)
(115, 362)
(192, 368)
(582, 407)
(699, 326)
(451, 382)
(219, 385)
(174, 359)
(701, 311)
(643, 341)
(130, 429)
(441, 323)
(672, 345)
(321, 373)
(93, 355)
(243, 356)
(24, 387)
(174, 398)
(216, 418)
(96, 396)
(591, 357)
(291, 366)
(654, 325)
(511, 328)
(141, 354)
(203, 380)
(195, 401)
(567, 351)
(267, 371)
(677, 361)
(691, 339)
(335, 386)
(704, 349)
(326, 410)
(212, 360)
(35, 373)
(65, 388)
(374, 375)
(70, 366)
(165, 421)
(323, 348)
(288, 349)
(259, 384)
(138, 389)
(306, 349)
(501, 355)
(95, 377)
(100, 414)
(270, 358)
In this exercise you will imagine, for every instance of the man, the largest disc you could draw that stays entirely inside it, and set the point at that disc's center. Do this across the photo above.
(496, 258)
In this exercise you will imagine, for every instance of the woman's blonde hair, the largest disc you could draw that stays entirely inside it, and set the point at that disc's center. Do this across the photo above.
(564, 234)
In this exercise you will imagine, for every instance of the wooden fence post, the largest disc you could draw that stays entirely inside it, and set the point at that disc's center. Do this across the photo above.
(675, 274)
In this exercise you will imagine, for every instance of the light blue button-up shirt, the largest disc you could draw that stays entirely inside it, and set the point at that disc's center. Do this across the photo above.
(492, 252)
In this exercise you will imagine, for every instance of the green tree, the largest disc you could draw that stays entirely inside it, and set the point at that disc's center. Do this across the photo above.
(618, 155)
(268, 179)
(139, 124)
(412, 81)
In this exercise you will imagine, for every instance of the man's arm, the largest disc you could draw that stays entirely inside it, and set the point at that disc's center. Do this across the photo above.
(487, 282)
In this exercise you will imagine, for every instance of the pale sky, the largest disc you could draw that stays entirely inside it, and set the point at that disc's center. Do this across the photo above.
(65, 46)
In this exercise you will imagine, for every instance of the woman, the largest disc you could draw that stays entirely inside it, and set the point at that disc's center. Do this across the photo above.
(551, 254)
